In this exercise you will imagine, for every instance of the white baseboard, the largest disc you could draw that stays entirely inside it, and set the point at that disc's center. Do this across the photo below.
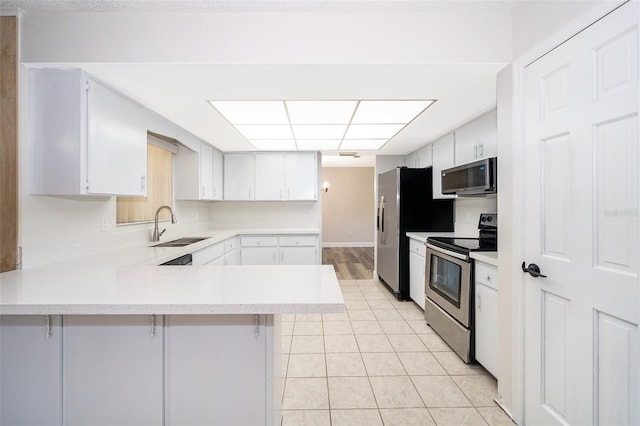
(356, 244)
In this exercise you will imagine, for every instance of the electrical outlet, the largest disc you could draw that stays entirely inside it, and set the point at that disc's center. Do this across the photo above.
(104, 224)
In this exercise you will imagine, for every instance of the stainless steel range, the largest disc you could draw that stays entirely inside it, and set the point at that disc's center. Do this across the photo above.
(449, 284)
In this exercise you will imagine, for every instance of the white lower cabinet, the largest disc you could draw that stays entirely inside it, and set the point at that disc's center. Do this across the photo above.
(232, 257)
(259, 255)
(279, 250)
(486, 320)
(216, 370)
(298, 255)
(30, 370)
(140, 370)
(208, 255)
(416, 272)
(113, 370)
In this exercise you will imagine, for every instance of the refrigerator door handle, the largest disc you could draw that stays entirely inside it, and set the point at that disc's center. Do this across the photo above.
(382, 239)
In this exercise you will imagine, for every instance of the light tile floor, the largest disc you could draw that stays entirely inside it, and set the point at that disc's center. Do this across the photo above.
(379, 364)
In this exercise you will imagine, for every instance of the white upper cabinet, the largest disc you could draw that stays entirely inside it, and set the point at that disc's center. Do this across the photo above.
(411, 160)
(270, 176)
(198, 175)
(476, 140)
(218, 177)
(301, 176)
(421, 158)
(425, 157)
(206, 171)
(442, 159)
(290, 176)
(81, 132)
(239, 183)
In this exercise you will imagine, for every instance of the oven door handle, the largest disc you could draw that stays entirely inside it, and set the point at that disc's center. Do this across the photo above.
(448, 252)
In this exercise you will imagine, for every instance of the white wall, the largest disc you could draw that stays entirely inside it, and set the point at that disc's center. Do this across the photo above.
(508, 237)
(245, 38)
(533, 21)
(467, 212)
(266, 214)
(348, 208)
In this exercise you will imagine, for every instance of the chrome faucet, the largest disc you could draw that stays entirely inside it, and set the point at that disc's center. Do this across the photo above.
(156, 233)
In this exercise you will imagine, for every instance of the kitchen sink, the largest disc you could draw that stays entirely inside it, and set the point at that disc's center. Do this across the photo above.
(181, 242)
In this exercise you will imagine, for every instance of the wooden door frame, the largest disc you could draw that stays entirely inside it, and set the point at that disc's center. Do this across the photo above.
(514, 277)
(9, 168)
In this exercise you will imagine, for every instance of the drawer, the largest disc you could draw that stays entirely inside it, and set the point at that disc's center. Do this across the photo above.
(258, 241)
(230, 244)
(206, 255)
(298, 240)
(487, 274)
(418, 247)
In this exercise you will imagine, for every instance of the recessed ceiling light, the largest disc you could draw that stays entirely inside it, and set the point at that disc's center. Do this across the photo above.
(372, 131)
(319, 131)
(320, 112)
(362, 143)
(274, 145)
(381, 112)
(318, 145)
(265, 131)
(252, 112)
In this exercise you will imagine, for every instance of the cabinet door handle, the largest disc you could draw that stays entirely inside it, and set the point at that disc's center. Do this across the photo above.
(47, 327)
(479, 300)
(481, 149)
(143, 183)
(256, 325)
(475, 152)
(152, 326)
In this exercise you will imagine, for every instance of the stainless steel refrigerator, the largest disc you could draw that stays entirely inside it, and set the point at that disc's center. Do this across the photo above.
(405, 203)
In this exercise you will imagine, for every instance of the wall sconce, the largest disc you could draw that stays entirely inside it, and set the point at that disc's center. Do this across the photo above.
(325, 187)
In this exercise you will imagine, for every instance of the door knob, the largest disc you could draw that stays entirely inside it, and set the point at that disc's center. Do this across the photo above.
(533, 270)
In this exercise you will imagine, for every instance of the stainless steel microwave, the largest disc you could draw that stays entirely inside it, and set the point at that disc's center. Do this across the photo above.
(477, 178)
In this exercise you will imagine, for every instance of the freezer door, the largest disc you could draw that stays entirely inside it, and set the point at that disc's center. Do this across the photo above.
(387, 260)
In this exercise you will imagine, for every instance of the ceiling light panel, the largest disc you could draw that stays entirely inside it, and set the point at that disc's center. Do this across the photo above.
(252, 112)
(372, 131)
(321, 112)
(319, 131)
(363, 143)
(274, 145)
(265, 131)
(318, 145)
(372, 112)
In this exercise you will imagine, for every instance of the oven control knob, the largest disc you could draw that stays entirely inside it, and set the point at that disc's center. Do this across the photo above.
(489, 219)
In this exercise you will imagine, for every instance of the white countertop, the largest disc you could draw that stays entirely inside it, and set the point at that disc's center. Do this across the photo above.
(127, 281)
(490, 257)
(422, 236)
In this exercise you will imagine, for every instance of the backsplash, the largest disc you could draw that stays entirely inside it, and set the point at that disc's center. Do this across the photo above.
(468, 211)
(56, 229)
(266, 214)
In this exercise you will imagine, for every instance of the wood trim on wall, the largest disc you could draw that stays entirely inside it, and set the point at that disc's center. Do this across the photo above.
(8, 143)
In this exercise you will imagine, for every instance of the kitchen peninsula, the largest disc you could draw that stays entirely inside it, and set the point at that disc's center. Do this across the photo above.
(117, 339)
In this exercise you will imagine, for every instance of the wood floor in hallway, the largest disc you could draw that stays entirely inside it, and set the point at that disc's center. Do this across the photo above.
(350, 263)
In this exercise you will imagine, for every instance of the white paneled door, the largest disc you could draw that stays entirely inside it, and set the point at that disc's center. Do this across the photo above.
(582, 352)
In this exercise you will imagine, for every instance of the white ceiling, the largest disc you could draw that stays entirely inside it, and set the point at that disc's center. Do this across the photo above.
(179, 90)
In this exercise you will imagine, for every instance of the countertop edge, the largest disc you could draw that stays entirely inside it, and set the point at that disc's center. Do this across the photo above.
(489, 257)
